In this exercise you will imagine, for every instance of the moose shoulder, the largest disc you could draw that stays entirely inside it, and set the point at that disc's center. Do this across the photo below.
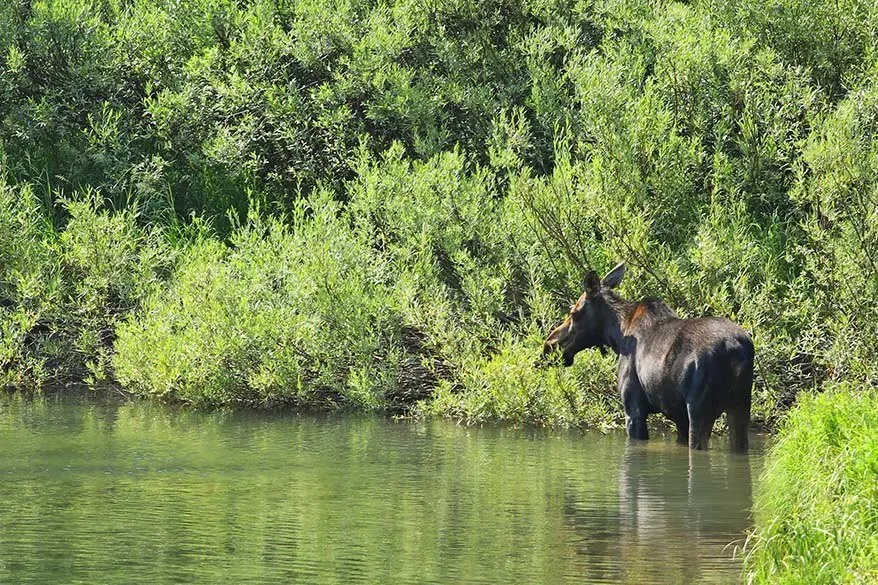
(691, 370)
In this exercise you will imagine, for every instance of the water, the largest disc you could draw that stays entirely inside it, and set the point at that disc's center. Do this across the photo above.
(137, 493)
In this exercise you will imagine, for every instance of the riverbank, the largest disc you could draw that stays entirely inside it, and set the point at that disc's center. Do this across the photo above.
(397, 220)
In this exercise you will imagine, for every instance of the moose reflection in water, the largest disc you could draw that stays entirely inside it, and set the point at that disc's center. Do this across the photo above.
(691, 370)
(679, 518)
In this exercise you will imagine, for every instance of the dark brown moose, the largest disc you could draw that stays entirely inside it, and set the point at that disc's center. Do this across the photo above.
(691, 370)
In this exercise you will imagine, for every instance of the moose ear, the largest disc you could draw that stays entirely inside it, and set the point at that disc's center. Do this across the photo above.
(614, 277)
(592, 282)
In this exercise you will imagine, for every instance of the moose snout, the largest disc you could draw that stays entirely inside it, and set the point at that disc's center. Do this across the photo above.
(551, 351)
(545, 360)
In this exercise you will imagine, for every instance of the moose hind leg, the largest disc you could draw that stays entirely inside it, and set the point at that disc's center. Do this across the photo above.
(700, 428)
(739, 423)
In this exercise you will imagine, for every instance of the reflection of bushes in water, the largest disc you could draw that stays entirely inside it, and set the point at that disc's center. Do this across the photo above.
(440, 499)
(815, 505)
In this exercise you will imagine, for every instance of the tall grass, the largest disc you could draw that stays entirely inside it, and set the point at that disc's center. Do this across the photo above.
(816, 507)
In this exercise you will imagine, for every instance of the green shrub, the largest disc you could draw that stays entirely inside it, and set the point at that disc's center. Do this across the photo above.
(833, 39)
(508, 385)
(482, 157)
(29, 282)
(295, 315)
(816, 507)
(62, 292)
(837, 191)
(472, 281)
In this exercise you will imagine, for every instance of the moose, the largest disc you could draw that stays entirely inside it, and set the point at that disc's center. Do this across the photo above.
(691, 370)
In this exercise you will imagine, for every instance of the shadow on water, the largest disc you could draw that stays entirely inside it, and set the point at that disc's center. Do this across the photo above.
(139, 493)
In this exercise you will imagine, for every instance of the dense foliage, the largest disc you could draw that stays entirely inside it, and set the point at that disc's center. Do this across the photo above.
(63, 292)
(388, 204)
(284, 315)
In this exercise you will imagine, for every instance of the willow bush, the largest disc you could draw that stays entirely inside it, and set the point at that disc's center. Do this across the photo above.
(63, 290)
(285, 315)
(476, 286)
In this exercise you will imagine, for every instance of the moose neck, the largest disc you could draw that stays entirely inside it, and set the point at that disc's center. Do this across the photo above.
(627, 320)
(622, 312)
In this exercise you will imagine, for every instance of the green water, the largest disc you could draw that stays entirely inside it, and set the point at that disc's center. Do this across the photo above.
(138, 493)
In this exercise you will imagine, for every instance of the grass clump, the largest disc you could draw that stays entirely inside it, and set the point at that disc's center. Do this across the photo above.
(817, 505)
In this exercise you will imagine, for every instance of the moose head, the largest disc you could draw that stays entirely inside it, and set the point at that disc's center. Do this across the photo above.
(590, 320)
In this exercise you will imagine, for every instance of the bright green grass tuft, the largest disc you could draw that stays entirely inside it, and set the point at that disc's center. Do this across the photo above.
(817, 505)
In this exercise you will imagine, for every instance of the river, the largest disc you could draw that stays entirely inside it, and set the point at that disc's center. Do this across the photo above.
(95, 492)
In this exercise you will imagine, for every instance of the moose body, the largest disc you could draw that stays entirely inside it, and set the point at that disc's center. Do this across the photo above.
(691, 370)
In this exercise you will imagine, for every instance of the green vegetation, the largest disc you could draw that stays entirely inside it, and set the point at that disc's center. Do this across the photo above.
(293, 314)
(817, 506)
(388, 204)
(63, 291)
